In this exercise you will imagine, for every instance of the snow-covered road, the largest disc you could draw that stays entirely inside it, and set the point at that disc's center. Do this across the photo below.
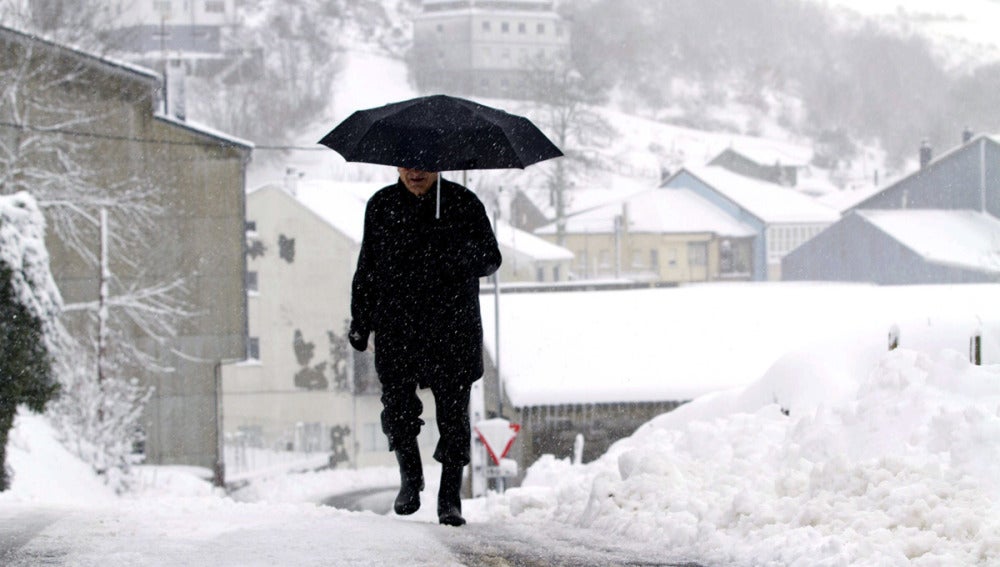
(241, 535)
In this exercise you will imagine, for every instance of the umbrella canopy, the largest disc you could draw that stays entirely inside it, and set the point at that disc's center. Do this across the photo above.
(440, 133)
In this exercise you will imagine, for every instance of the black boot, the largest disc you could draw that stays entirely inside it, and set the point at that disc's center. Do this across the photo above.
(411, 478)
(450, 496)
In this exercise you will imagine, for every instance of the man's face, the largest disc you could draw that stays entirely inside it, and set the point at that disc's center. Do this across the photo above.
(418, 182)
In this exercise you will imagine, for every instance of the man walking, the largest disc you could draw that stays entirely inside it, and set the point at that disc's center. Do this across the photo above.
(416, 288)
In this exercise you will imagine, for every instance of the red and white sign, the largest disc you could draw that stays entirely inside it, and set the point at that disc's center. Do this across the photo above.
(497, 435)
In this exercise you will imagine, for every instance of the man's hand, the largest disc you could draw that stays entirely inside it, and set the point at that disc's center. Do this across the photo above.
(358, 339)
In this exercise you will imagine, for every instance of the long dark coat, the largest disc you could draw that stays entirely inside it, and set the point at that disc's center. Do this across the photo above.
(417, 284)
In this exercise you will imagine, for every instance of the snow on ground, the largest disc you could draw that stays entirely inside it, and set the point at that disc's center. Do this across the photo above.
(884, 458)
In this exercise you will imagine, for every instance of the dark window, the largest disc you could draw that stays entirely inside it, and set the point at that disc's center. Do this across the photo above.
(541, 29)
(215, 6)
(253, 348)
(286, 248)
(555, 273)
(504, 27)
(252, 281)
(540, 274)
(486, 26)
(522, 27)
(251, 226)
(440, 28)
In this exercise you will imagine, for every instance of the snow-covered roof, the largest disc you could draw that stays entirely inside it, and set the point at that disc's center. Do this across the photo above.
(658, 210)
(204, 130)
(136, 71)
(679, 343)
(340, 204)
(846, 199)
(960, 238)
(764, 153)
(770, 202)
(530, 246)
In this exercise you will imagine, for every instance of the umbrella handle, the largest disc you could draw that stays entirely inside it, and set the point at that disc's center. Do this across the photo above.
(437, 206)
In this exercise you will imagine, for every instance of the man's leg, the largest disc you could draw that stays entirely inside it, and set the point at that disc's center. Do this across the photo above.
(401, 423)
(453, 449)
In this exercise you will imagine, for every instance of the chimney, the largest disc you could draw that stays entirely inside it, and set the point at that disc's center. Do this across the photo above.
(175, 102)
(291, 181)
(925, 153)
(966, 135)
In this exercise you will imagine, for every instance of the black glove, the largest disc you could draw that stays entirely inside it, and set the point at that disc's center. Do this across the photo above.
(358, 338)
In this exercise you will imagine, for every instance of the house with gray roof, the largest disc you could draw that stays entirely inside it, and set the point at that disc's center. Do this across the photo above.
(780, 218)
(936, 225)
(657, 235)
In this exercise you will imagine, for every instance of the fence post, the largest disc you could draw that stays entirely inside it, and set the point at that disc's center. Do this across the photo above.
(976, 348)
(893, 337)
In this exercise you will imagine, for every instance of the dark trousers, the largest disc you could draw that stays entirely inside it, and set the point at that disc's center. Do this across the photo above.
(401, 409)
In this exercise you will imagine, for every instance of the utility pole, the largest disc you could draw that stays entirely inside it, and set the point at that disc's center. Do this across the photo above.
(102, 306)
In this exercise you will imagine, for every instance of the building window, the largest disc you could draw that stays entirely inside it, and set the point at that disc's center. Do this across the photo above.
(251, 226)
(252, 282)
(487, 26)
(440, 28)
(540, 274)
(253, 348)
(215, 6)
(555, 273)
(654, 260)
(559, 30)
(541, 29)
(162, 6)
(505, 27)
(522, 27)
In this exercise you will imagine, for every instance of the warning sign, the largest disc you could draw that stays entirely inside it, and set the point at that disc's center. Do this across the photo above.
(497, 435)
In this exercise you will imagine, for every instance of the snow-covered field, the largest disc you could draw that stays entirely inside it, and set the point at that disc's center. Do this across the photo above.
(890, 459)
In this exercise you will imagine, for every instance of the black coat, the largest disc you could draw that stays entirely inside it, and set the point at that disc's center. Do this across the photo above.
(417, 284)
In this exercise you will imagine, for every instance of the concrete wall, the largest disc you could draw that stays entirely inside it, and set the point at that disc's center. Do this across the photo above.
(195, 185)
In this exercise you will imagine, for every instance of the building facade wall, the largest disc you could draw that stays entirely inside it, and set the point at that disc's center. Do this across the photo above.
(485, 48)
(192, 185)
(956, 181)
(759, 245)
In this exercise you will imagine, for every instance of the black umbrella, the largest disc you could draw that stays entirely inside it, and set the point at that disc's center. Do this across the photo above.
(440, 133)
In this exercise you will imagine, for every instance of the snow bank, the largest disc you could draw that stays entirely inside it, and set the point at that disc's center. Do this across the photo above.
(44, 472)
(896, 465)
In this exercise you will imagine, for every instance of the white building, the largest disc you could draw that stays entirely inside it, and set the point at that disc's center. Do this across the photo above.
(174, 30)
(484, 47)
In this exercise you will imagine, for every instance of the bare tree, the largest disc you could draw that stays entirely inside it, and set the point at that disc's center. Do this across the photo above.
(565, 107)
(65, 139)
